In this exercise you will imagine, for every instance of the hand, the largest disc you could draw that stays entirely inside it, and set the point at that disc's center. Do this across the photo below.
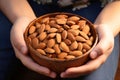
(21, 50)
(98, 55)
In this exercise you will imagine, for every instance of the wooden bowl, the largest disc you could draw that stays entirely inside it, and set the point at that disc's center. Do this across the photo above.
(54, 64)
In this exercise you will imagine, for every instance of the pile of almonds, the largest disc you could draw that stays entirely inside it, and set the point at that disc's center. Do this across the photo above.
(61, 36)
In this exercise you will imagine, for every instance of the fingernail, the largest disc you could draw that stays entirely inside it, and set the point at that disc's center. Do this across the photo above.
(93, 55)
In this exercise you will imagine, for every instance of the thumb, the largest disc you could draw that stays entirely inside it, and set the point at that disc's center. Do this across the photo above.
(17, 38)
(18, 42)
(102, 47)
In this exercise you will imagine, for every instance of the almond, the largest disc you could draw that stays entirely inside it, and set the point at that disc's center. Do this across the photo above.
(64, 47)
(45, 20)
(74, 32)
(69, 22)
(75, 26)
(41, 51)
(51, 43)
(60, 30)
(61, 21)
(41, 29)
(79, 38)
(70, 36)
(74, 45)
(41, 45)
(82, 24)
(37, 24)
(89, 42)
(32, 29)
(80, 46)
(76, 53)
(33, 35)
(66, 27)
(35, 42)
(67, 41)
(61, 16)
(51, 35)
(58, 37)
(84, 35)
(64, 34)
(62, 55)
(49, 50)
(69, 57)
(57, 49)
(86, 29)
(52, 30)
(47, 27)
(86, 46)
(74, 18)
(42, 36)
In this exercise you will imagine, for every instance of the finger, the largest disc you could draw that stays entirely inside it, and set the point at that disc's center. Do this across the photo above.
(29, 63)
(106, 42)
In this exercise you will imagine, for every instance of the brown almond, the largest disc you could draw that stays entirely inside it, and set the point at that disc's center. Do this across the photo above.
(74, 45)
(51, 35)
(81, 24)
(64, 47)
(41, 51)
(57, 49)
(86, 29)
(52, 22)
(69, 57)
(91, 38)
(70, 36)
(60, 30)
(74, 32)
(45, 20)
(79, 38)
(41, 45)
(84, 35)
(69, 22)
(61, 21)
(75, 26)
(86, 46)
(58, 37)
(37, 24)
(64, 34)
(89, 42)
(80, 46)
(67, 41)
(51, 43)
(76, 53)
(62, 55)
(34, 42)
(49, 50)
(66, 27)
(33, 35)
(47, 27)
(42, 36)
(61, 16)
(74, 18)
(32, 29)
(52, 30)
(41, 29)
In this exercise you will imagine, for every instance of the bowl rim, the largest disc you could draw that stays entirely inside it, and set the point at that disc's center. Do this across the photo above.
(56, 59)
